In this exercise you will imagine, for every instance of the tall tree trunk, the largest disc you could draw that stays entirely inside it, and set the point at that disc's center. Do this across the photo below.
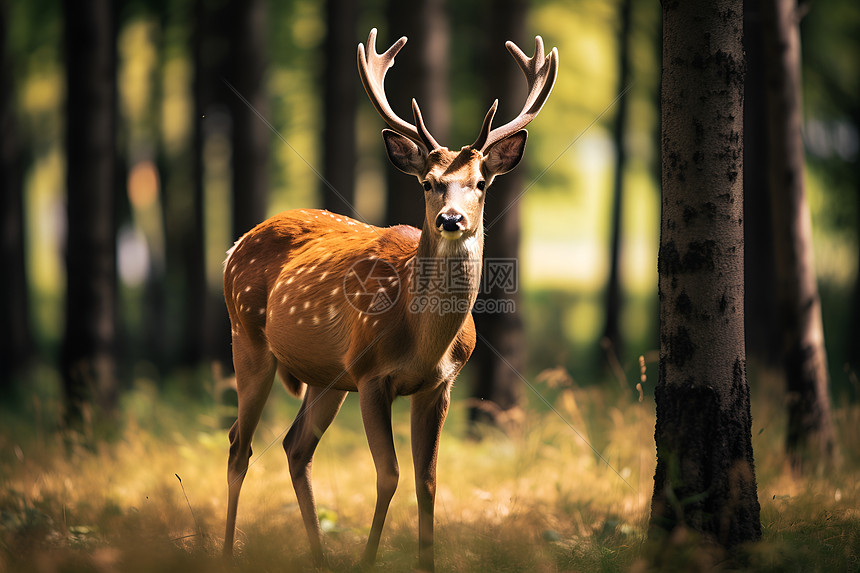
(810, 436)
(245, 69)
(88, 362)
(499, 357)
(611, 331)
(246, 66)
(705, 476)
(208, 53)
(421, 73)
(339, 107)
(854, 334)
(16, 351)
(760, 320)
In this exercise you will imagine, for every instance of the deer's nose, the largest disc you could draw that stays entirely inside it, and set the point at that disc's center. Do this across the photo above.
(449, 221)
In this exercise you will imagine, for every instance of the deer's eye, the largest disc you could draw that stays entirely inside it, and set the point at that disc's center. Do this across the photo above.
(481, 184)
(427, 186)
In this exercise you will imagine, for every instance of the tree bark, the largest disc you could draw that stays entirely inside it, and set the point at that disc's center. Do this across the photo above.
(761, 317)
(339, 108)
(421, 73)
(16, 351)
(611, 331)
(705, 476)
(810, 437)
(499, 357)
(88, 361)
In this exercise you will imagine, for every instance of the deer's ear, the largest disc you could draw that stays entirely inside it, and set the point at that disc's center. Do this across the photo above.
(404, 153)
(504, 155)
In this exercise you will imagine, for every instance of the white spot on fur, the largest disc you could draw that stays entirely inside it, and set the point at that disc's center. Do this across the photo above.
(334, 291)
(307, 304)
(247, 289)
(292, 309)
(316, 319)
(290, 280)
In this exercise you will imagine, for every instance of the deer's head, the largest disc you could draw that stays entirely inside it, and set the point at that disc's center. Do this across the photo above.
(455, 182)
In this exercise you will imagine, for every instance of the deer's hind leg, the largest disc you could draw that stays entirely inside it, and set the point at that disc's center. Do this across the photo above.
(255, 372)
(318, 410)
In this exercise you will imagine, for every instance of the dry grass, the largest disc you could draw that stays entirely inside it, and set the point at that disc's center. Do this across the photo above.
(538, 500)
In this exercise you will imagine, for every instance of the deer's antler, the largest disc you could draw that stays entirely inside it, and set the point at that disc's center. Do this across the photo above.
(372, 68)
(540, 75)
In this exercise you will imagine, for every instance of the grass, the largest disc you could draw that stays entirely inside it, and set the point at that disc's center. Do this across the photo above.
(539, 499)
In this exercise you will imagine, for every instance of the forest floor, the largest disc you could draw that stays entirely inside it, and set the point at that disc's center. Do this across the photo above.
(566, 489)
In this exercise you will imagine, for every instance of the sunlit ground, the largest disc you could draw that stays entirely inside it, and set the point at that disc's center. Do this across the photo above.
(538, 500)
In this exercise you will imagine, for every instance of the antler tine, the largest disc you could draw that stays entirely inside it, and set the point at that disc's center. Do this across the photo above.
(372, 68)
(485, 127)
(540, 72)
(426, 138)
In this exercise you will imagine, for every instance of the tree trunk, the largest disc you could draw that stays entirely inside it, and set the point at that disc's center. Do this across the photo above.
(16, 351)
(339, 107)
(854, 334)
(499, 357)
(705, 476)
(250, 146)
(88, 362)
(208, 53)
(810, 436)
(421, 73)
(761, 319)
(611, 331)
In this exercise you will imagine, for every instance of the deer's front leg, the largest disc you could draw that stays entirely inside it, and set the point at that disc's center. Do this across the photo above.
(428, 415)
(375, 399)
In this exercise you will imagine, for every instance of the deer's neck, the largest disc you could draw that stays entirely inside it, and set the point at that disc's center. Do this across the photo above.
(442, 289)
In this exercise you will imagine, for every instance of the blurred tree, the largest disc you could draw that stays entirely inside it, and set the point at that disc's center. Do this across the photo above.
(831, 58)
(499, 357)
(339, 108)
(88, 362)
(246, 67)
(810, 428)
(421, 73)
(16, 350)
(705, 476)
(611, 331)
(760, 317)
(246, 62)
(209, 47)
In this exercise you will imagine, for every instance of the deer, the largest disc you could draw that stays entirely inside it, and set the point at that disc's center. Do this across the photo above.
(334, 305)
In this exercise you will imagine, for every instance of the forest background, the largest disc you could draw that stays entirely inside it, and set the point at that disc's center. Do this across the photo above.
(568, 446)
